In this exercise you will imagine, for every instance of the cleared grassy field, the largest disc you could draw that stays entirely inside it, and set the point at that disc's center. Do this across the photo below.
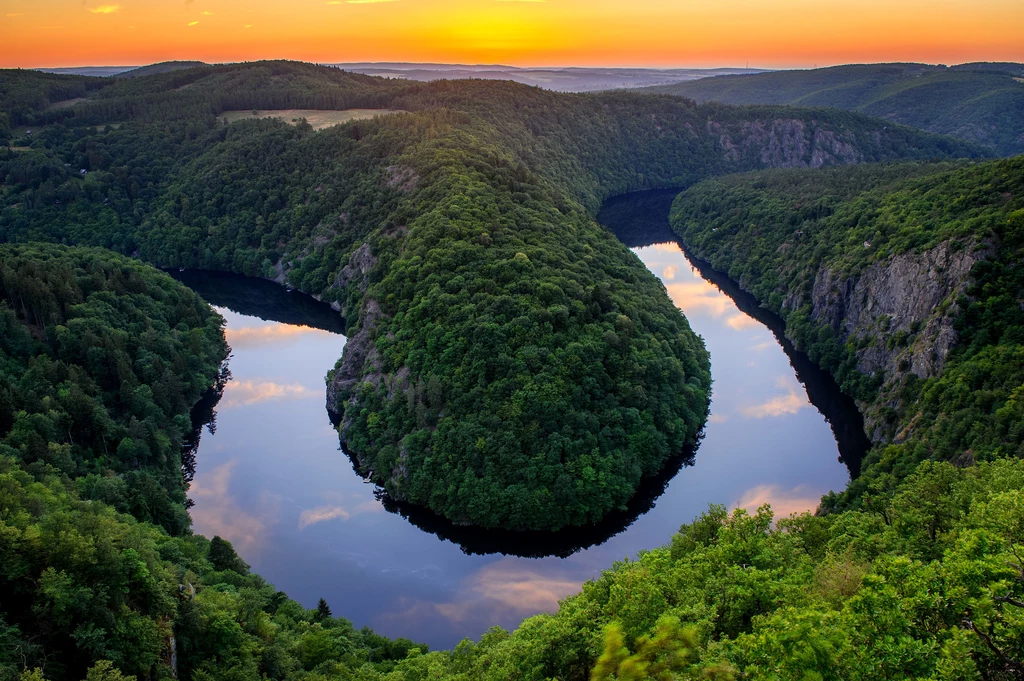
(318, 118)
(67, 103)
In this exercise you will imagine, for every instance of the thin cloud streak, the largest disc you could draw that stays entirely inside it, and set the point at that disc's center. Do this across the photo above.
(783, 405)
(244, 393)
(105, 9)
(252, 336)
(321, 514)
(784, 502)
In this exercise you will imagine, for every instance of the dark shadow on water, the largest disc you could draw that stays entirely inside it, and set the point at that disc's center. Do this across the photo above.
(641, 219)
(261, 298)
(204, 413)
(562, 544)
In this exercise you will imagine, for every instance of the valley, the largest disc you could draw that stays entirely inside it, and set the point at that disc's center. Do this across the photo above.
(534, 387)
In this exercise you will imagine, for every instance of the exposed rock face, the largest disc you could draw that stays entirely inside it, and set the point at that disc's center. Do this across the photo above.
(359, 348)
(783, 143)
(899, 313)
(360, 262)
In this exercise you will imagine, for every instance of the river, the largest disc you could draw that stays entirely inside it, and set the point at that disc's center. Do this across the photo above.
(270, 475)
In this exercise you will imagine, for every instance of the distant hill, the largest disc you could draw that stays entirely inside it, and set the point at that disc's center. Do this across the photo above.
(979, 102)
(566, 79)
(123, 71)
(162, 67)
(98, 71)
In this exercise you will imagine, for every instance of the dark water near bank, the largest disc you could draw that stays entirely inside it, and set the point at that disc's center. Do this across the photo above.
(272, 479)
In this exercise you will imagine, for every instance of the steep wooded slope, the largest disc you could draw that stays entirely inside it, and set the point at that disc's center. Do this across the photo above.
(904, 281)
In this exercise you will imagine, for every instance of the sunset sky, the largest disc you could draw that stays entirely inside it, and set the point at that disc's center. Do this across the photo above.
(662, 33)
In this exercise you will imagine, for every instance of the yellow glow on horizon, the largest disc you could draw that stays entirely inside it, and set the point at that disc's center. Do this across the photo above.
(660, 33)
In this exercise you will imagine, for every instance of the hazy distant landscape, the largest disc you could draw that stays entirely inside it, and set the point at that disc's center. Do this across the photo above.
(571, 79)
(981, 102)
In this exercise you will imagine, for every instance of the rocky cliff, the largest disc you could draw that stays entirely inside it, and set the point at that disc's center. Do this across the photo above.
(898, 314)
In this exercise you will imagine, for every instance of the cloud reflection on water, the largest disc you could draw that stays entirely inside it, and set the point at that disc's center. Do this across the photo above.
(699, 297)
(321, 514)
(784, 502)
(254, 336)
(217, 512)
(781, 405)
(509, 585)
(242, 393)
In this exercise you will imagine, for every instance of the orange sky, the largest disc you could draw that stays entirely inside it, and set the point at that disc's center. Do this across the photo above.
(768, 33)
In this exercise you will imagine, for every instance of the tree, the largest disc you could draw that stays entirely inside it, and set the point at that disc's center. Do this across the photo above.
(223, 557)
(323, 611)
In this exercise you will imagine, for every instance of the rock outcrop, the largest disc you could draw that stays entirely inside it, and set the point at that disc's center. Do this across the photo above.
(784, 143)
(360, 351)
(898, 314)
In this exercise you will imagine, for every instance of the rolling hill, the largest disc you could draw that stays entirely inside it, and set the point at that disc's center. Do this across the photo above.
(979, 102)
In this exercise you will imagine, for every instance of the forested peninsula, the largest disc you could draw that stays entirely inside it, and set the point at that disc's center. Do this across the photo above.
(500, 343)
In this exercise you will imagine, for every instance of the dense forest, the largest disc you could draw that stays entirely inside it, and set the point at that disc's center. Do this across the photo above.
(784, 234)
(101, 358)
(510, 363)
(496, 334)
(979, 102)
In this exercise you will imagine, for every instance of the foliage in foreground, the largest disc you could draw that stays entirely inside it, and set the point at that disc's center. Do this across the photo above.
(930, 586)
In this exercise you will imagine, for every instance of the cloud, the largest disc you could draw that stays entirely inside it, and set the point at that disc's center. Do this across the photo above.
(216, 512)
(699, 296)
(783, 502)
(718, 418)
(247, 26)
(507, 587)
(252, 336)
(760, 347)
(312, 516)
(670, 272)
(242, 393)
(207, 13)
(357, 2)
(16, 14)
(740, 321)
(105, 9)
(192, 23)
(781, 405)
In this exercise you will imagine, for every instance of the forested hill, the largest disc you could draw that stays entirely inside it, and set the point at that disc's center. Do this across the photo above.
(905, 281)
(509, 363)
(979, 102)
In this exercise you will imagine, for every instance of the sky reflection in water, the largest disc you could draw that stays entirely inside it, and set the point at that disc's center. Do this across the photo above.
(272, 479)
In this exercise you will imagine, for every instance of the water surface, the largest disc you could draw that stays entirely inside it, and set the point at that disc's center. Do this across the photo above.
(272, 479)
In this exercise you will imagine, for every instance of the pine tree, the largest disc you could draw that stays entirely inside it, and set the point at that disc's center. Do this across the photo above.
(323, 611)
